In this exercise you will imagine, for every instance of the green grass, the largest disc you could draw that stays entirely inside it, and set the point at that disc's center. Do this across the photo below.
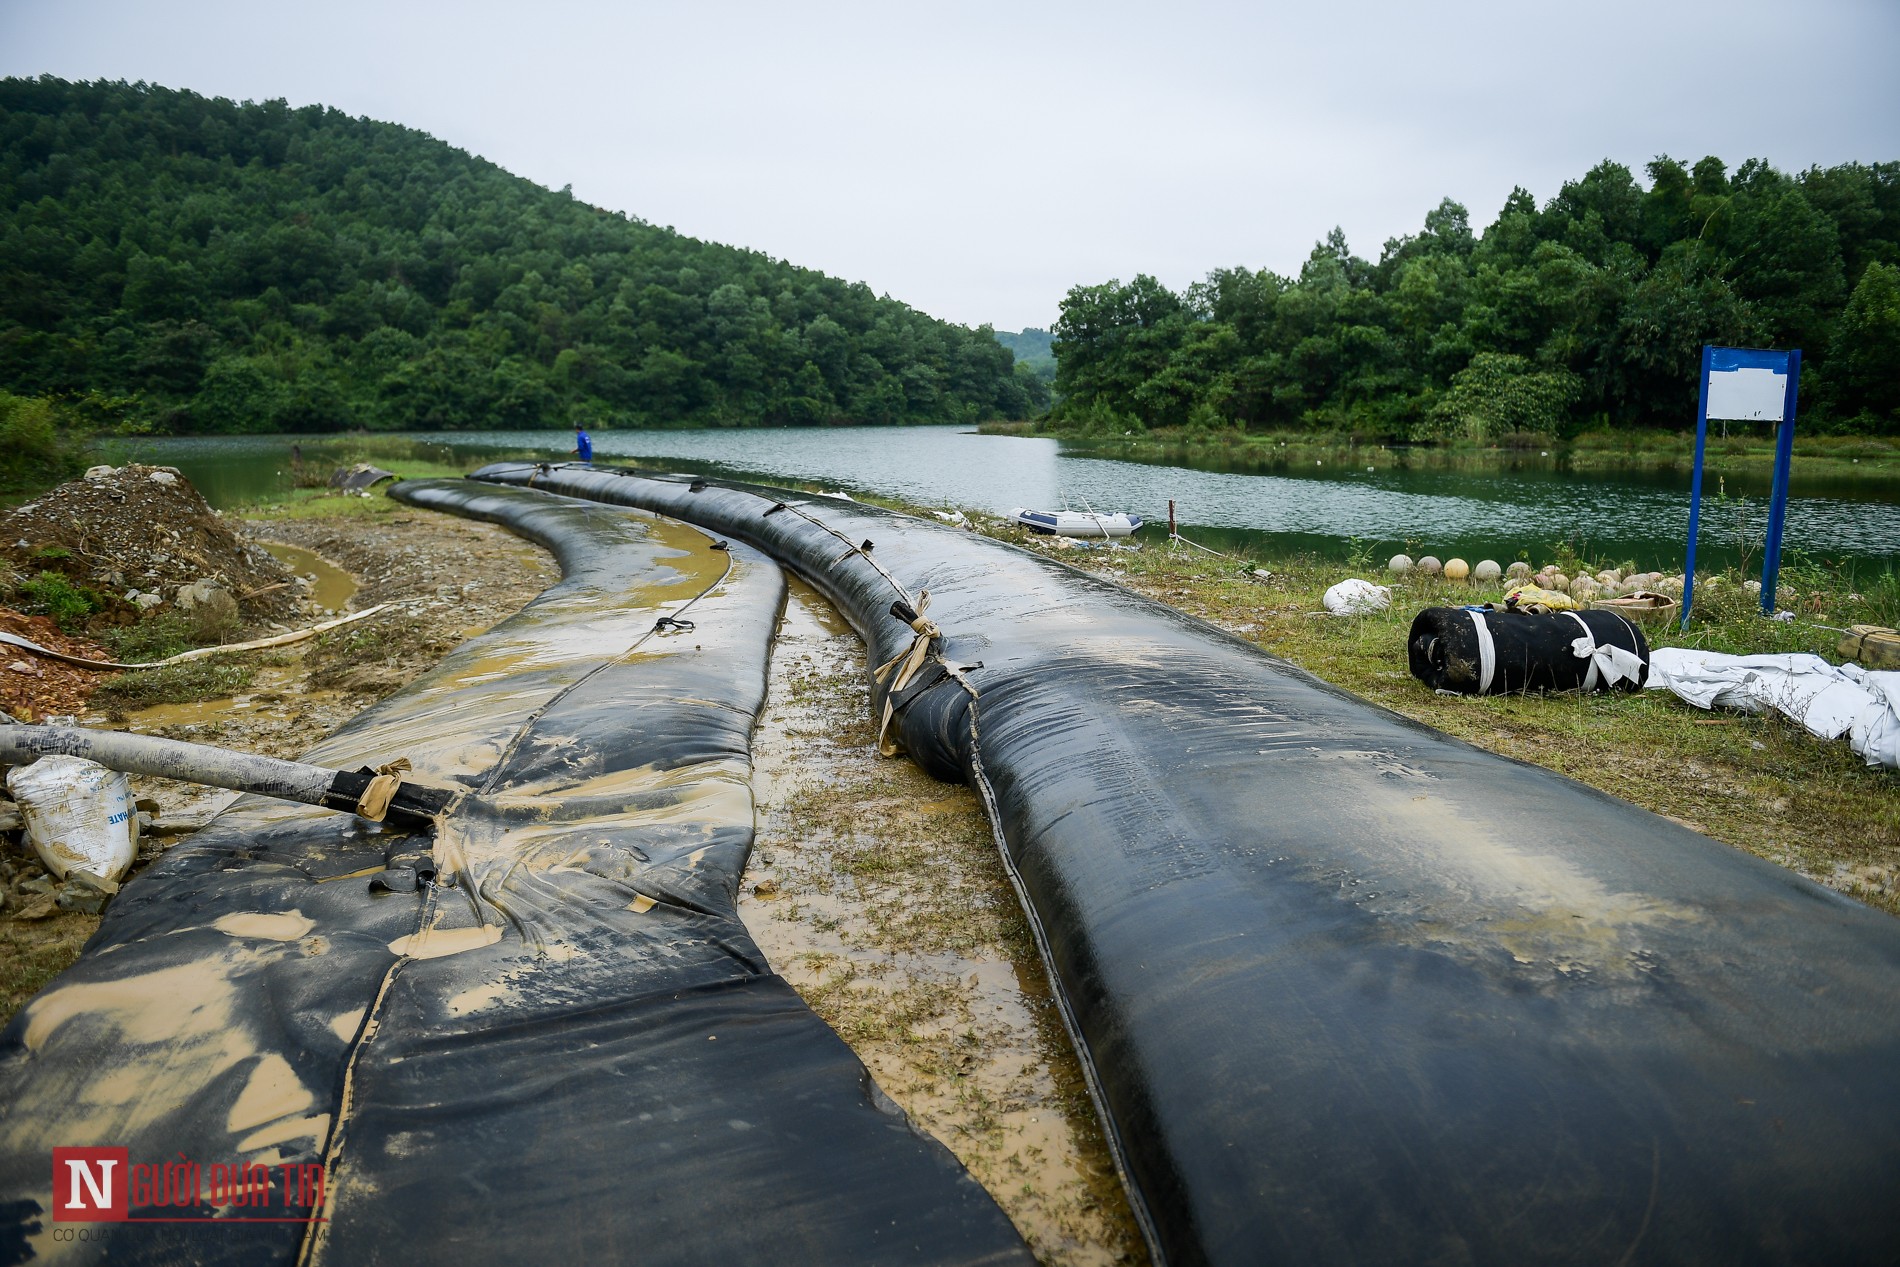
(210, 678)
(51, 594)
(154, 638)
(33, 954)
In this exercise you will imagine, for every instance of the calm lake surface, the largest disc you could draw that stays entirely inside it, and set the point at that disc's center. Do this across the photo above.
(1501, 515)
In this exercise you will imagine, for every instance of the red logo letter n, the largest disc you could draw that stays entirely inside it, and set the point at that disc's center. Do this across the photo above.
(89, 1184)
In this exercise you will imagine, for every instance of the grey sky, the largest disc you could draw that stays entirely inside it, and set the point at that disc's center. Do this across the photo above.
(977, 160)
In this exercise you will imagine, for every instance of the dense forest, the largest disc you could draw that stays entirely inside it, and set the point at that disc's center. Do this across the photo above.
(1034, 349)
(179, 263)
(1588, 312)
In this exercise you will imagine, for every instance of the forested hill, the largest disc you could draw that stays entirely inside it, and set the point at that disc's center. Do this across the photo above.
(1033, 349)
(252, 267)
(1589, 311)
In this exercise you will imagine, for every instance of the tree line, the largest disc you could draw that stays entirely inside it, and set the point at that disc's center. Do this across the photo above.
(1589, 311)
(190, 264)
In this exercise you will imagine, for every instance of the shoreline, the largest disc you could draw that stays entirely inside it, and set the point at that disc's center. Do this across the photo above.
(1871, 458)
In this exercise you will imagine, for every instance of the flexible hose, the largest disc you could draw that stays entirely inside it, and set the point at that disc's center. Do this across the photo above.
(220, 767)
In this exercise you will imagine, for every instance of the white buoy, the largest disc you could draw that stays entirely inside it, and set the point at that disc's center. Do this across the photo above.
(1487, 571)
(1401, 563)
(1430, 565)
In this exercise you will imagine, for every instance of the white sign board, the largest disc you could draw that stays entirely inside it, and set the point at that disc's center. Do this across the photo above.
(1748, 394)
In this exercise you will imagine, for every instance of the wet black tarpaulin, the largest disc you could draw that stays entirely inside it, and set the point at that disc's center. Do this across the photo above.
(574, 1052)
(1354, 991)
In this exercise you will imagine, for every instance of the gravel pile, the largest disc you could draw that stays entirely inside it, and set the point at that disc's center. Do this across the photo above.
(141, 534)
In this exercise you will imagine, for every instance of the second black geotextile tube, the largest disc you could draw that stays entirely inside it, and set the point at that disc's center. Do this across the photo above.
(565, 1050)
(1526, 652)
(1353, 991)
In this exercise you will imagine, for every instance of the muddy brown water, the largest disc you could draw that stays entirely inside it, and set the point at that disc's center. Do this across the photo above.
(330, 586)
(878, 894)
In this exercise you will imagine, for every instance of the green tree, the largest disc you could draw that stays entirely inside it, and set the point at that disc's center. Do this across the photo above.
(1498, 394)
(1864, 375)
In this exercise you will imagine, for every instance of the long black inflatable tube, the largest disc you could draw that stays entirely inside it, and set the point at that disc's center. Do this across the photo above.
(1352, 990)
(569, 1051)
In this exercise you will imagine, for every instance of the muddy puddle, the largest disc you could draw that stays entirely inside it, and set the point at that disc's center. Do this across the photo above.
(330, 586)
(876, 892)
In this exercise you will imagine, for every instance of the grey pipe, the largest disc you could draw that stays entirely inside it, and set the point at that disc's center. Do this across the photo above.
(217, 767)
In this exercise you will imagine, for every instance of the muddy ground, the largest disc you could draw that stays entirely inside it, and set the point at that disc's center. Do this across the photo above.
(877, 892)
(874, 890)
(446, 578)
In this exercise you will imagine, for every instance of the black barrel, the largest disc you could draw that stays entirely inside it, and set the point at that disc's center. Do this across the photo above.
(1485, 651)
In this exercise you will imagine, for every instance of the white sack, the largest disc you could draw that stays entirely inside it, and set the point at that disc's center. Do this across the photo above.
(1355, 597)
(79, 816)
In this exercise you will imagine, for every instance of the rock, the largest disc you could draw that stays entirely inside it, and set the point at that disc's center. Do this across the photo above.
(21, 666)
(199, 591)
(1456, 569)
(1430, 565)
(1401, 564)
(766, 889)
(163, 477)
(76, 895)
(100, 472)
(1487, 571)
(37, 907)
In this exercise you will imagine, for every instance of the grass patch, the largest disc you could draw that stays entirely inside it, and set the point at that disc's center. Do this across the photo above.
(210, 678)
(50, 594)
(314, 503)
(309, 496)
(33, 954)
(367, 657)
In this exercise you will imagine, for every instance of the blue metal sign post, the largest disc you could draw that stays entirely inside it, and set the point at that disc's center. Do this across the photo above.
(1746, 385)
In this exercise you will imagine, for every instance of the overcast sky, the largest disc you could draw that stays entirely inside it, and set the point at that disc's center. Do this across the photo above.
(977, 160)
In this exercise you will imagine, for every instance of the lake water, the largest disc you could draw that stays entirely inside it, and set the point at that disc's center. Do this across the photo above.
(1502, 515)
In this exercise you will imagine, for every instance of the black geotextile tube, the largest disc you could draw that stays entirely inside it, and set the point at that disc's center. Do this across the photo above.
(573, 1054)
(1527, 652)
(1354, 991)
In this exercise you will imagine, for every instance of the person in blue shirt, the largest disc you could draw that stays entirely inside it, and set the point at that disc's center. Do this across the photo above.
(583, 443)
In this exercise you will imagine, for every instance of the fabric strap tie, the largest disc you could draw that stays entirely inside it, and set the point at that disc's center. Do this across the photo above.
(1487, 652)
(1615, 664)
(905, 663)
(374, 803)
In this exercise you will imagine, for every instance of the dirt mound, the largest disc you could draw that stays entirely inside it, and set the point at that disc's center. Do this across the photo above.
(141, 534)
(32, 687)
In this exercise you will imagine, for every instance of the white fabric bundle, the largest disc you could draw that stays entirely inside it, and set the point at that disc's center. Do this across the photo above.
(1827, 700)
